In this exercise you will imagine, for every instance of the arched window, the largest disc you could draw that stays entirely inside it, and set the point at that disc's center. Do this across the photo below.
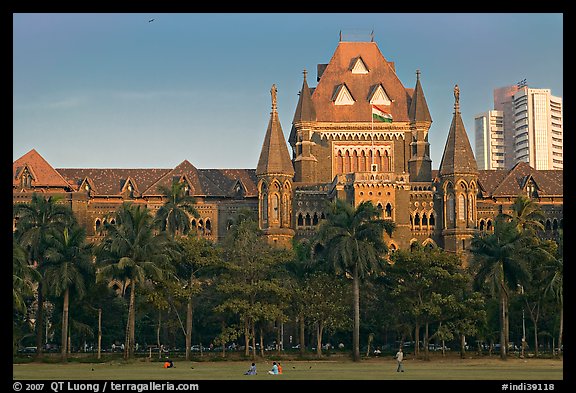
(489, 225)
(417, 220)
(461, 207)
(432, 221)
(548, 225)
(450, 208)
(275, 207)
(424, 219)
(97, 225)
(481, 225)
(555, 225)
(388, 211)
(307, 220)
(194, 225)
(208, 227)
(315, 219)
(300, 220)
(264, 204)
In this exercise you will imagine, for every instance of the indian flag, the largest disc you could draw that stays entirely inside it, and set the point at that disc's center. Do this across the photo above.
(380, 114)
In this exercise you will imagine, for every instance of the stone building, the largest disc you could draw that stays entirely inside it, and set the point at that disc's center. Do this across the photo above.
(338, 150)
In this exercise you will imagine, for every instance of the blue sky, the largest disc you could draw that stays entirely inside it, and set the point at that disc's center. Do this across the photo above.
(112, 90)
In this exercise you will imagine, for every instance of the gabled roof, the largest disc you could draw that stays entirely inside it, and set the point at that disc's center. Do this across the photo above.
(502, 183)
(44, 175)
(338, 72)
(225, 179)
(110, 181)
(200, 186)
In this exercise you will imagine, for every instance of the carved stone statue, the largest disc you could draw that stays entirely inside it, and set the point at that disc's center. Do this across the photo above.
(273, 92)
(457, 94)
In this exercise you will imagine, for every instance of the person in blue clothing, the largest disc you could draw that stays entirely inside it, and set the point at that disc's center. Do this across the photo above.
(274, 370)
(251, 370)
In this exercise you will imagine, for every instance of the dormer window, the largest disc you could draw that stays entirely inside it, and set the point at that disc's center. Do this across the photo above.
(26, 179)
(358, 66)
(378, 96)
(342, 95)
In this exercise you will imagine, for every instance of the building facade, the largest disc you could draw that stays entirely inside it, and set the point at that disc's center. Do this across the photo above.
(525, 126)
(337, 149)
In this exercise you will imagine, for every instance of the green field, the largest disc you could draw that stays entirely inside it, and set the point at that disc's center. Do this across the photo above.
(512, 369)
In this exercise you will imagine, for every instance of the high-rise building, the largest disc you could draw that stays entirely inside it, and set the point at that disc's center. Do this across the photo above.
(489, 134)
(538, 136)
(525, 126)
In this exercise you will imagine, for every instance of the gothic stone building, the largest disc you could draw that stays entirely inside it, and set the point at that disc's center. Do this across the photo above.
(338, 151)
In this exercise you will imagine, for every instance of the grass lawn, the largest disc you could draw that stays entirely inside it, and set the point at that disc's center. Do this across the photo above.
(512, 369)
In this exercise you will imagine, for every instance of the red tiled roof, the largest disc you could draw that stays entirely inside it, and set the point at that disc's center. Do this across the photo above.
(43, 173)
(338, 72)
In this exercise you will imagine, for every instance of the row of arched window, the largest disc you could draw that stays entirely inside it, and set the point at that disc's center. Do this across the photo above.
(306, 220)
(422, 221)
(202, 226)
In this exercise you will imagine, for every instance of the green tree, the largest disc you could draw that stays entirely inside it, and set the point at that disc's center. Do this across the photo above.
(555, 283)
(68, 260)
(326, 304)
(23, 277)
(35, 220)
(500, 261)
(353, 244)
(174, 216)
(131, 253)
(197, 254)
(250, 280)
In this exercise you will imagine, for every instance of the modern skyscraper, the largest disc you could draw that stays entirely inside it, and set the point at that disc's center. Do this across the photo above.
(490, 144)
(525, 126)
(538, 138)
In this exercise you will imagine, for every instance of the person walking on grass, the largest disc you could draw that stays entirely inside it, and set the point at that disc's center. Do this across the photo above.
(399, 358)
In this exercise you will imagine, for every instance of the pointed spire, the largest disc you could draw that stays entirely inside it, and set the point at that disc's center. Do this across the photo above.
(458, 156)
(418, 107)
(305, 108)
(274, 156)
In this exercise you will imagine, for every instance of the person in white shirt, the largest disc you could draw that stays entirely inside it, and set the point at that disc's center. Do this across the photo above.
(399, 358)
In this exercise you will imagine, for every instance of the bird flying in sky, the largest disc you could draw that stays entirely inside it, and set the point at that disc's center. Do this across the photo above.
(151, 20)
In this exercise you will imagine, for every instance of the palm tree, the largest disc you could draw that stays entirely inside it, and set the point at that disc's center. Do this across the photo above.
(23, 277)
(132, 253)
(35, 221)
(499, 260)
(353, 243)
(68, 260)
(556, 284)
(173, 216)
(526, 213)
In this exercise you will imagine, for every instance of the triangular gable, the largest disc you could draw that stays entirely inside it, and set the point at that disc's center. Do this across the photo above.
(25, 170)
(378, 96)
(189, 187)
(42, 172)
(130, 186)
(342, 95)
(87, 185)
(238, 189)
(358, 66)
(184, 170)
